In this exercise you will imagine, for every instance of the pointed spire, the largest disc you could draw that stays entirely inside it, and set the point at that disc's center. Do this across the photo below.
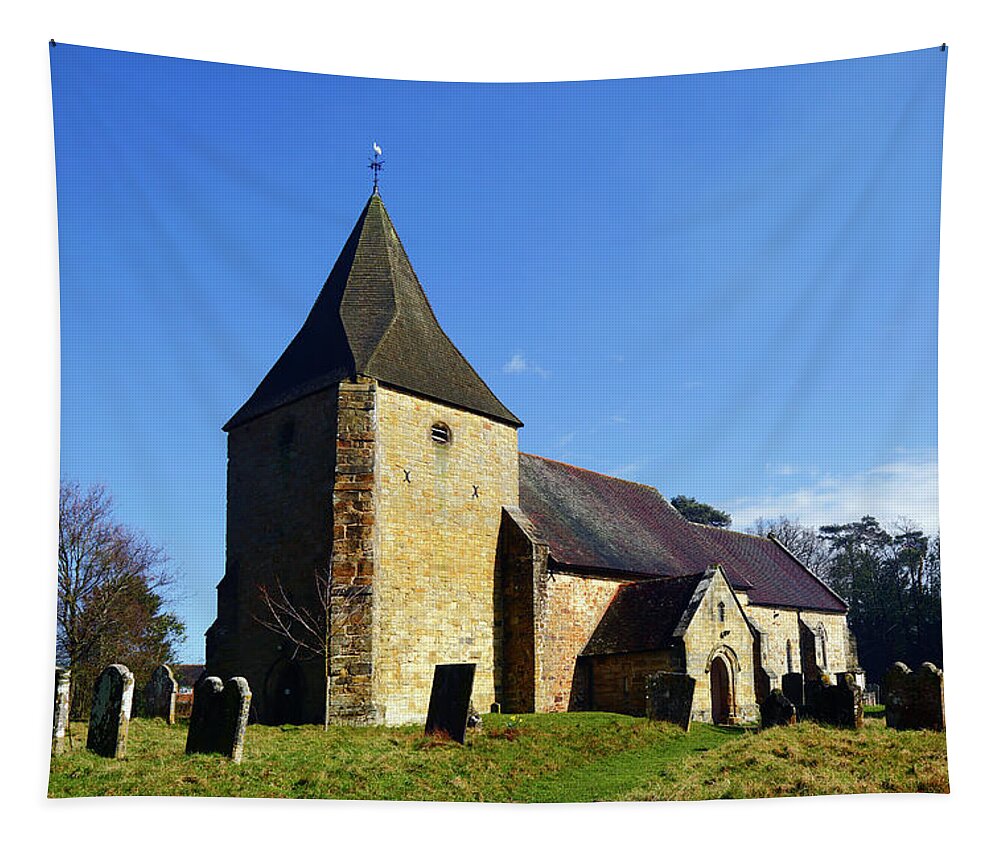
(373, 318)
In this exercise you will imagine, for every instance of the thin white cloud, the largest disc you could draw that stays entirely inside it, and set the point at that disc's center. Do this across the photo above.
(904, 488)
(626, 470)
(519, 365)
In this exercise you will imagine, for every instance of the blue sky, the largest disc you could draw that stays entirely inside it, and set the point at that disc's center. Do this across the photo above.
(723, 285)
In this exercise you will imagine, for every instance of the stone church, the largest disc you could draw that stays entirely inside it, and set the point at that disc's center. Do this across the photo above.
(374, 467)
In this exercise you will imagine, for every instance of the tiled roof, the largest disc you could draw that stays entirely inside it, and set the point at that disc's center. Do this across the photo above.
(603, 523)
(372, 318)
(643, 616)
(776, 578)
(599, 523)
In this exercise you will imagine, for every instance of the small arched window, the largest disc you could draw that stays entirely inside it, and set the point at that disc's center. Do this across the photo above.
(788, 654)
(722, 612)
(822, 644)
(441, 434)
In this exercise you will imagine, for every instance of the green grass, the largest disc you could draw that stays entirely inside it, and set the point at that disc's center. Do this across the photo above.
(557, 757)
(808, 759)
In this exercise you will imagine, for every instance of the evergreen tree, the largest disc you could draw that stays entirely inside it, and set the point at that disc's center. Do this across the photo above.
(700, 512)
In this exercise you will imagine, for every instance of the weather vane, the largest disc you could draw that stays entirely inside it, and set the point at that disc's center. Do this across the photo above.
(376, 164)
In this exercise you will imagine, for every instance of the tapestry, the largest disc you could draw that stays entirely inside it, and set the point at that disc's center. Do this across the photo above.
(512, 442)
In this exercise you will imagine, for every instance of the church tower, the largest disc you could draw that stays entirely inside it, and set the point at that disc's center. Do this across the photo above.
(372, 455)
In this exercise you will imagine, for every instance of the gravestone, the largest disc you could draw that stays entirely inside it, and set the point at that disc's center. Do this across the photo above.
(838, 705)
(219, 717)
(793, 687)
(107, 734)
(160, 695)
(60, 711)
(777, 711)
(914, 700)
(670, 697)
(451, 696)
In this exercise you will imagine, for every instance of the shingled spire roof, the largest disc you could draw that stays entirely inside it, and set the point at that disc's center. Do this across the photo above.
(372, 318)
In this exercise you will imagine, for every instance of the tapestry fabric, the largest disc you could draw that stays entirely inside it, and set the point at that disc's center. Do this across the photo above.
(522, 442)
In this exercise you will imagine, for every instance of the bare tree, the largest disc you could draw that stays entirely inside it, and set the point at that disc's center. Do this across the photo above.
(308, 626)
(804, 542)
(108, 578)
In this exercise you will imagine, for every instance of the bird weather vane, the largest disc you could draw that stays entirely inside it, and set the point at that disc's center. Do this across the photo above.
(376, 164)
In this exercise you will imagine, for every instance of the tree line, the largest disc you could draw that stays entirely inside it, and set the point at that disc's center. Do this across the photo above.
(890, 579)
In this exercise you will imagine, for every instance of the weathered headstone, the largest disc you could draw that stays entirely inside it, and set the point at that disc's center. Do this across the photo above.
(202, 737)
(219, 717)
(236, 699)
(107, 734)
(839, 705)
(793, 687)
(160, 695)
(451, 696)
(60, 711)
(777, 711)
(670, 697)
(914, 700)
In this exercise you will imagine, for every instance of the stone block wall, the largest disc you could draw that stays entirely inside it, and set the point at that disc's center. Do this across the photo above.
(522, 567)
(783, 627)
(570, 607)
(354, 556)
(780, 626)
(707, 637)
(838, 653)
(279, 523)
(617, 682)
(438, 510)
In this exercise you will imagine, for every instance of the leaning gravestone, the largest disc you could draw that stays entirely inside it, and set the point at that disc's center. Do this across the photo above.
(914, 700)
(777, 711)
(451, 696)
(107, 734)
(670, 697)
(219, 717)
(60, 711)
(160, 695)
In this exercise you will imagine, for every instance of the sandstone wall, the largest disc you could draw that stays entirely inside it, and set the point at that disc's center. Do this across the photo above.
(618, 681)
(436, 545)
(778, 631)
(278, 524)
(570, 608)
(838, 646)
(782, 626)
(522, 568)
(706, 637)
(355, 556)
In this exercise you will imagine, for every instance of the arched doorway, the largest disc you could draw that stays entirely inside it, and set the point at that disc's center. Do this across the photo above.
(723, 709)
(286, 693)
